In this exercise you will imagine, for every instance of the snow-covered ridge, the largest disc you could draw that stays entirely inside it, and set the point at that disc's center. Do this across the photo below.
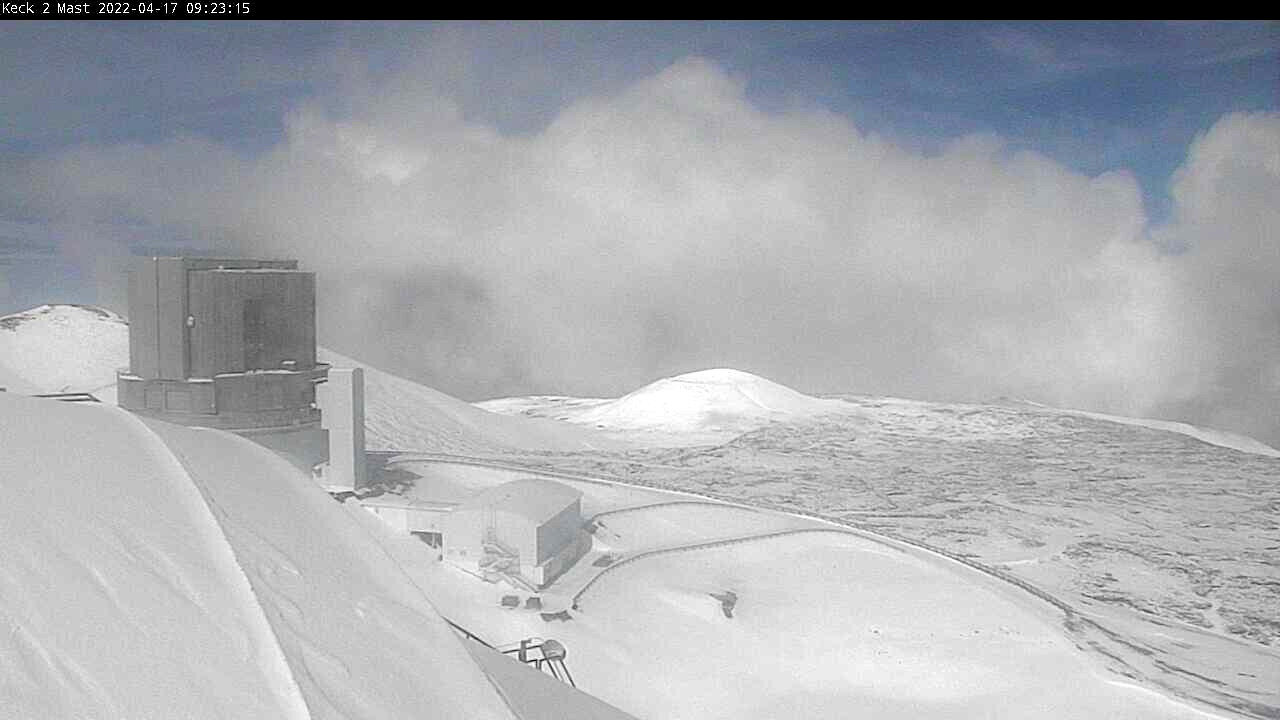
(403, 415)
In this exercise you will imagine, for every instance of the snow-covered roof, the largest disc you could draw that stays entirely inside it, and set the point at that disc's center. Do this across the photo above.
(535, 498)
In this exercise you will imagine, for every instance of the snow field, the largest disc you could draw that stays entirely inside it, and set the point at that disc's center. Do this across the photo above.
(829, 624)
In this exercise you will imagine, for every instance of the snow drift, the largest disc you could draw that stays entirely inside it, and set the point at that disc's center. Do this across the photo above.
(118, 594)
(201, 577)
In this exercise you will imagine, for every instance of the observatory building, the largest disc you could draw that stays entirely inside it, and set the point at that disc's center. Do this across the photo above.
(229, 344)
(532, 523)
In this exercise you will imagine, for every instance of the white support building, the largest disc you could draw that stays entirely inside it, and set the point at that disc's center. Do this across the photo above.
(534, 523)
(409, 516)
(341, 401)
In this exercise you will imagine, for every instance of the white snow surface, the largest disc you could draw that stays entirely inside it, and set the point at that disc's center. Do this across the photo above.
(62, 348)
(362, 639)
(118, 594)
(830, 625)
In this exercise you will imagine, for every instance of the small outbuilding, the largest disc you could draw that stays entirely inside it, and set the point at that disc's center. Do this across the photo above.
(532, 523)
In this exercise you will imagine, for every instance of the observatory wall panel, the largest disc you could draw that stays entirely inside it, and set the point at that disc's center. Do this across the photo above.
(464, 534)
(518, 532)
(251, 320)
(216, 334)
(171, 329)
(144, 359)
(558, 531)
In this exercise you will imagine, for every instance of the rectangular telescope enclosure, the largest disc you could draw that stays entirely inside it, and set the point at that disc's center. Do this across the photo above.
(225, 343)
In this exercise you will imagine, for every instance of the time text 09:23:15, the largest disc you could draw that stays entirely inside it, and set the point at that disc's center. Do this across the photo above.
(40, 8)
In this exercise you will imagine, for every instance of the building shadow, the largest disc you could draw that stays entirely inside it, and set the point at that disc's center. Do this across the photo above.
(385, 478)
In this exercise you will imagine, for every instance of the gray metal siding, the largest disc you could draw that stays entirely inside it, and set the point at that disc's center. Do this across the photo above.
(283, 324)
(144, 359)
(558, 531)
(171, 283)
(217, 337)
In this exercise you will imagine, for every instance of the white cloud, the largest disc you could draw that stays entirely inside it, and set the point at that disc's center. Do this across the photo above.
(674, 225)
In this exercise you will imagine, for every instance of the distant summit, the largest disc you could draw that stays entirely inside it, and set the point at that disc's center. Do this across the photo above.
(707, 401)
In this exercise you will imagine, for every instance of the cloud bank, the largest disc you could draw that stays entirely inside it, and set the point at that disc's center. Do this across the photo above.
(674, 225)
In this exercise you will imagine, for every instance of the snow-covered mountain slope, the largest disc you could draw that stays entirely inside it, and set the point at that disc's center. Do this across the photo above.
(403, 415)
(1221, 438)
(701, 406)
(61, 348)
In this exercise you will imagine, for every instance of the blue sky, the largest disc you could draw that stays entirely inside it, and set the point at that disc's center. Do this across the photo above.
(938, 209)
